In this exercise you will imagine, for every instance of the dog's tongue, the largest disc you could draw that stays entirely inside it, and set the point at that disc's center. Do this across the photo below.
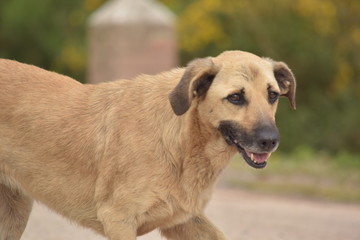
(258, 157)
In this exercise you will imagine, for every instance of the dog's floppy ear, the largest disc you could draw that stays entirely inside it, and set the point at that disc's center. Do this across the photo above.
(286, 81)
(195, 82)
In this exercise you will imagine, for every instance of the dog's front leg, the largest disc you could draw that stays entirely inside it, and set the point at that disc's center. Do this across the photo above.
(117, 225)
(197, 228)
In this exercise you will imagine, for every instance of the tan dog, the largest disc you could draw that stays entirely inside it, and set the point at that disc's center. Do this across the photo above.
(126, 157)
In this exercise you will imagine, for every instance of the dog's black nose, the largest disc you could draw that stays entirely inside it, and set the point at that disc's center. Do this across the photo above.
(267, 138)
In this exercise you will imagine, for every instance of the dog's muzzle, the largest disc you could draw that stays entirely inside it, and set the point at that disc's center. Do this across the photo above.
(256, 146)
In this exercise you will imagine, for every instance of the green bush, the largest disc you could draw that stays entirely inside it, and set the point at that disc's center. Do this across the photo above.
(47, 33)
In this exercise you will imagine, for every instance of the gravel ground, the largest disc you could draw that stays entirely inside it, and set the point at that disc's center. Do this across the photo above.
(240, 215)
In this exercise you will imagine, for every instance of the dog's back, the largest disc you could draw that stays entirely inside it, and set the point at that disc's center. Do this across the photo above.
(39, 110)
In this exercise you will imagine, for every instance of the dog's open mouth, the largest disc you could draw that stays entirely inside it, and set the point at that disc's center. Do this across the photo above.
(254, 151)
(255, 160)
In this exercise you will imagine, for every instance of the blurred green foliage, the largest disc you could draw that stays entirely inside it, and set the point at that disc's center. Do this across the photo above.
(318, 39)
(47, 33)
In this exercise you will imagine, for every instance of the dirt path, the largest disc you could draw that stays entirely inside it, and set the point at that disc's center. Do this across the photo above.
(241, 215)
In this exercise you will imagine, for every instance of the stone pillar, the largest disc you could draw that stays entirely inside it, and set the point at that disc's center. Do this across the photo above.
(130, 37)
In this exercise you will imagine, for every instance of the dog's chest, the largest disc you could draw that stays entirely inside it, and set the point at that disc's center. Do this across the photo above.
(158, 219)
(171, 212)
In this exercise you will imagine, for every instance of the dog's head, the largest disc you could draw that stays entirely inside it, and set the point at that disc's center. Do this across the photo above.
(237, 94)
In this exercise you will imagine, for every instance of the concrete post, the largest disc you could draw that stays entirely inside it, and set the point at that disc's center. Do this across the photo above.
(129, 37)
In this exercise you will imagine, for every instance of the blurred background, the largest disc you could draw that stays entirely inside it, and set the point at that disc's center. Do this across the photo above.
(319, 155)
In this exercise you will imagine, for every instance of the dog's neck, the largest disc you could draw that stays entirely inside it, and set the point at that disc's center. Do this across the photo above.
(202, 152)
(208, 150)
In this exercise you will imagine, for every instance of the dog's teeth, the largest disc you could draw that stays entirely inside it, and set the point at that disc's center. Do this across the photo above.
(235, 141)
(252, 157)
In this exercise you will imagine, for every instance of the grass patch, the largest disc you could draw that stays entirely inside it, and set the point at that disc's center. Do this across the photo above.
(304, 173)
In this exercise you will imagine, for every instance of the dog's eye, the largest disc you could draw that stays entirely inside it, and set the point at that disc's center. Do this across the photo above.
(273, 96)
(237, 99)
